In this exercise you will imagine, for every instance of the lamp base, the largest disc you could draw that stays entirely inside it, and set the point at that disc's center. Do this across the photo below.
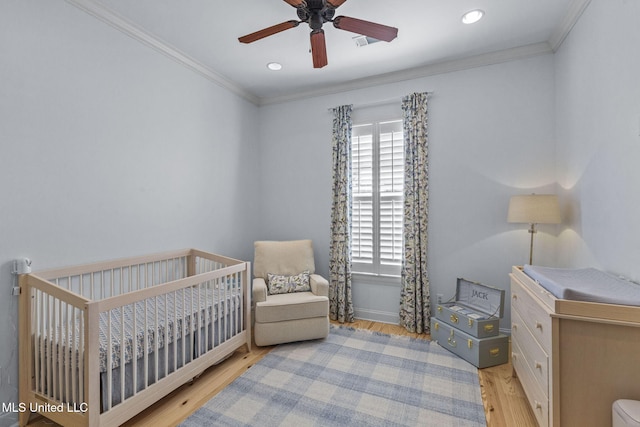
(532, 231)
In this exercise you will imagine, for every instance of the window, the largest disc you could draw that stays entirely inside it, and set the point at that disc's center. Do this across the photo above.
(377, 186)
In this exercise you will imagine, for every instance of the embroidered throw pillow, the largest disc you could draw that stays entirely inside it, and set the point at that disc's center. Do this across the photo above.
(278, 284)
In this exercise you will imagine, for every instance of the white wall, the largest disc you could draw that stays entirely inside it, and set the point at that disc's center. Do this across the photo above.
(109, 149)
(598, 132)
(491, 135)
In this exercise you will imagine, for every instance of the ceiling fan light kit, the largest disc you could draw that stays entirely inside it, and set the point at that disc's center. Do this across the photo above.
(316, 13)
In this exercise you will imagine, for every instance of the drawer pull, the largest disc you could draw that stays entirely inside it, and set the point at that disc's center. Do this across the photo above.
(538, 365)
(454, 318)
(514, 296)
(470, 343)
(494, 352)
(514, 326)
(538, 405)
(471, 323)
(538, 325)
(452, 342)
(488, 328)
(439, 308)
(436, 326)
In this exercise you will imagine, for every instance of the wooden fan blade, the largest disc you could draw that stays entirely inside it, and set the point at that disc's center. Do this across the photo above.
(295, 3)
(318, 49)
(336, 3)
(250, 38)
(366, 28)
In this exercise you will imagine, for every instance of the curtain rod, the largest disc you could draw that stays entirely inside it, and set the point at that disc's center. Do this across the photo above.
(378, 103)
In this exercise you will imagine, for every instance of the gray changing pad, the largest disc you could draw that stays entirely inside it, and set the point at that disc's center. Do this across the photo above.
(586, 284)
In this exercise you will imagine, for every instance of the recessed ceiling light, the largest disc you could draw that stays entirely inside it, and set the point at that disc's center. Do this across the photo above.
(472, 16)
(274, 66)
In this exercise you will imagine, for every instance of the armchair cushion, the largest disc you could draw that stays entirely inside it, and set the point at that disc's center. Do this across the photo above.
(281, 284)
(292, 306)
(286, 258)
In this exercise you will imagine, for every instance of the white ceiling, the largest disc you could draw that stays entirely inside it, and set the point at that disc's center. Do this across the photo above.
(204, 33)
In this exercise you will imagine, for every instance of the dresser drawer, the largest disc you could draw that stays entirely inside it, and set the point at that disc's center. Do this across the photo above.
(534, 356)
(538, 401)
(533, 313)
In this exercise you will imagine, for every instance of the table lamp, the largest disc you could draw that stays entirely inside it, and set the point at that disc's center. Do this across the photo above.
(534, 209)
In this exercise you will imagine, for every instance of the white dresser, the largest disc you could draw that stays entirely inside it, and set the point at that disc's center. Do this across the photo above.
(573, 358)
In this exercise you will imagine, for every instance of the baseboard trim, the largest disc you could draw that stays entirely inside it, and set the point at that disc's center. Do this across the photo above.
(377, 316)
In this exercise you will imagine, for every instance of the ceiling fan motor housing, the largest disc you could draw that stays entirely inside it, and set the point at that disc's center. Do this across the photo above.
(315, 13)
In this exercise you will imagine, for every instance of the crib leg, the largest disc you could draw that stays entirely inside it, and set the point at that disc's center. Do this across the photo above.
(23, 418)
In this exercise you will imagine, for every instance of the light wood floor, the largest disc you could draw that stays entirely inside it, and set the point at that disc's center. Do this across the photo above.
(504, 400)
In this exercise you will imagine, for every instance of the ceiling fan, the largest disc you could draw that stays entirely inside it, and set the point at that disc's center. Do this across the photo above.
(316, 13)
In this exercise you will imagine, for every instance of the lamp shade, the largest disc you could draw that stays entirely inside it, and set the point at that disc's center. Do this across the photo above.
(534, 209)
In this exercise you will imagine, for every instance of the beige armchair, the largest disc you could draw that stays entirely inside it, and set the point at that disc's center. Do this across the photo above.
(290, 316)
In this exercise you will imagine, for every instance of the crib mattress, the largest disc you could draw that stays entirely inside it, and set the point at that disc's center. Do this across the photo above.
(182, 313)
(586, 284)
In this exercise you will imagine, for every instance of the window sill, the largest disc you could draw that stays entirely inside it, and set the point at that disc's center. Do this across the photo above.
(376, 279)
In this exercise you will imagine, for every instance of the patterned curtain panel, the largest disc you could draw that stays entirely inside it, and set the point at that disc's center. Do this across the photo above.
(340, 302)
(415, 311)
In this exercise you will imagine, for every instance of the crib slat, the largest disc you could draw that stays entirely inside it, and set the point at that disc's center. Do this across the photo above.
(226, 307)
(81, 368)
(219, 309)
(233, 303)
(156, 337)
(145, 347)
(190, 315)
(59, 347)
(184, 327)
(122, 354)
(66, 347)
(166, 335)
(50, 365)
(38, 342)
(109, 361)
(134, 350)
(74, 354)
(208, 305)
(175, 330)
(197, 326)
(238, 300)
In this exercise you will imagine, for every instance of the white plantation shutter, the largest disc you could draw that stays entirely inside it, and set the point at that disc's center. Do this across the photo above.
(377, 188)
(362, 194)
(391, 185)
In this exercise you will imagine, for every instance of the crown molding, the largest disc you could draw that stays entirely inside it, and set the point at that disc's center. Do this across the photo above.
(576, 8)
(110, 17)
(118, 22)
(466, 63)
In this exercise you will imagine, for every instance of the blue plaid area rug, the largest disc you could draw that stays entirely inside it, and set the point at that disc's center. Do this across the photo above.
(351, 378)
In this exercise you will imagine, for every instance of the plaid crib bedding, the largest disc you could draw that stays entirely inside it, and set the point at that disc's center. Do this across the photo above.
(166, 318)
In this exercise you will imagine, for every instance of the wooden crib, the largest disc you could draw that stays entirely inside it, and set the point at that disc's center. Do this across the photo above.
(99, 343)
